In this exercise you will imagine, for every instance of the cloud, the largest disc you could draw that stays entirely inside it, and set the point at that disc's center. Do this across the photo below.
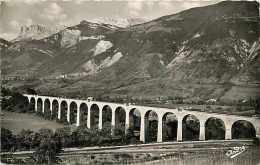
(14, 24)
(53, 12)
(54, 9)
(31, 1)
(78, 2)
(135, 7)
(187, 5)
(28, 2)
(28, 22)
(166, 5)
(150, 4)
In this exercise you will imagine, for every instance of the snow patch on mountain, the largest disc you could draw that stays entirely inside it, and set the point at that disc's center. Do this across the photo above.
(97, 25)
(98, 37)
(102, 46)
(252, 52)
(69, 37)
(179, 58)
(119, 22)
(180, 55)
(47, 52)
(243, 49)
(197, 35)
(91, 67)
(162, 62)
(109, 61)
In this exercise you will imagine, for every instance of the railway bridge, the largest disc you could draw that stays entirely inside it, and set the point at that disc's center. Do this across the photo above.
(169, 124)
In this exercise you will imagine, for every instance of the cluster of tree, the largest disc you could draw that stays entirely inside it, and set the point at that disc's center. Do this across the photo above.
(44, 143)
(47, 144)
(85, 137)
(14, 101)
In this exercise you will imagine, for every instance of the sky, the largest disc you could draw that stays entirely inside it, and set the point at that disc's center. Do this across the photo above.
(17, 13)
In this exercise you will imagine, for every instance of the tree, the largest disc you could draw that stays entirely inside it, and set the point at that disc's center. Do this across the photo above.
(8, 140)
(26, 139)
(47, 151)
(31, 91)
(63, 136)
(82, 136)
(45, 133)
(14, 101)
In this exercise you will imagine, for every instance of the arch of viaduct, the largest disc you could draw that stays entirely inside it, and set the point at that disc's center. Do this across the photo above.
(228, 120)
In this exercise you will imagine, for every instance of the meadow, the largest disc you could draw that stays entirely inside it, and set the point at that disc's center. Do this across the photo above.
(18, 121)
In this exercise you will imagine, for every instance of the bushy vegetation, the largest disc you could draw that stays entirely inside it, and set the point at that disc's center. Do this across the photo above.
(43, 142)
(14, 101)
(47, 144)
(68, 136)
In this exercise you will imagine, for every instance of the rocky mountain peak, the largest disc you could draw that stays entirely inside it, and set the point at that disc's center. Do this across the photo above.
(37, 32)
(119, 22)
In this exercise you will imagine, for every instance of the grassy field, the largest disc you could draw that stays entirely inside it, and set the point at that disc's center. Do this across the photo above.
(18, 121)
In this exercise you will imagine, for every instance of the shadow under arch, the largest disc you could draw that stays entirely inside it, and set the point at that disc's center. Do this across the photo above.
(190, 128)
(55, 109)
(47, 109)
(94, 116)
(151, 126)
(134, 125)
(32, 104)
(73, 112)
(243, 129)
(83, 114)
(215, 129)
(120, 115)
(39, 106)
(169, 127)
(107, 118)
(63, 111)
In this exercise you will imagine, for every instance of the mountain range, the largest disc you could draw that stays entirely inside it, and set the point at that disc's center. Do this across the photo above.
(200, 53)
(36, 32)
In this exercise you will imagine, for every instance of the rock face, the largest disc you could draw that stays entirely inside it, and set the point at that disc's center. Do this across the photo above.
(37, 32)
(4, 43)
(69, 37)
(206, 52)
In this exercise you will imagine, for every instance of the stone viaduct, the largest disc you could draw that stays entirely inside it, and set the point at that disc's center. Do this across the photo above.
(144, 113)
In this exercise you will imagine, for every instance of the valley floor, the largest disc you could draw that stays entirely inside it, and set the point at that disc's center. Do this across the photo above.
(18, 121)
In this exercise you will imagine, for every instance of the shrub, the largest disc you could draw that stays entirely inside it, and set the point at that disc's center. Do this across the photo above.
(8, 140)
(14, 101)
(47, 151)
